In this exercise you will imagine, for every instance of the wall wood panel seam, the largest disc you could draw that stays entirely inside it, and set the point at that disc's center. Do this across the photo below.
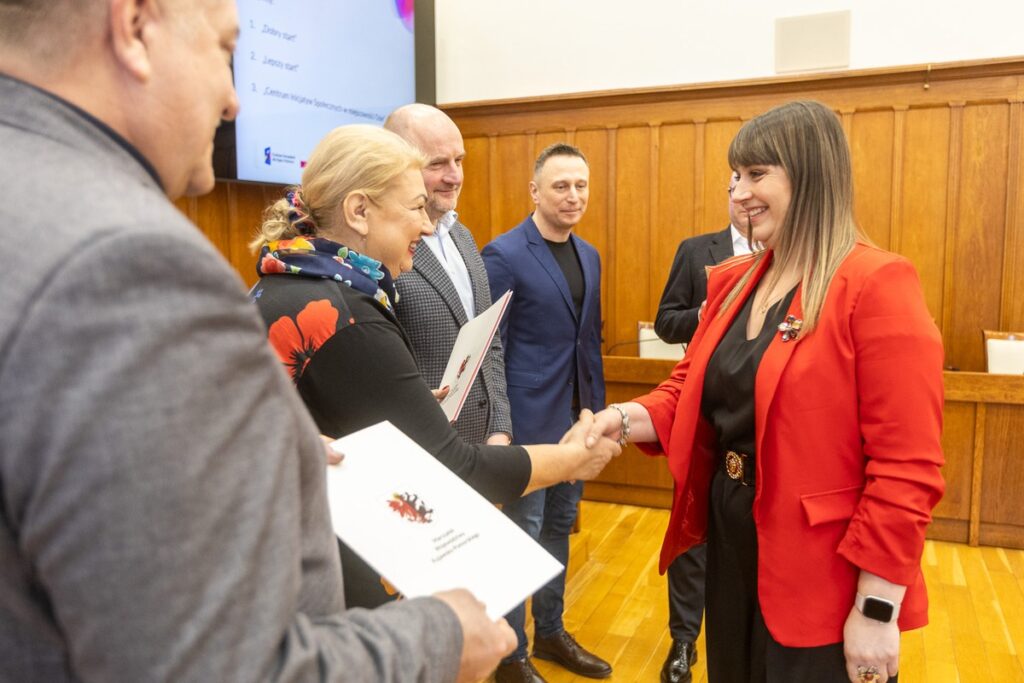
(608, 266)
(896, 191)
(654, 215)
(492, 177)
(977, 471)
(956, 118)
(699, 132)
(1011, 248)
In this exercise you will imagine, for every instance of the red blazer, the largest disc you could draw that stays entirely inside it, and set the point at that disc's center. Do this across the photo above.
(848, 425)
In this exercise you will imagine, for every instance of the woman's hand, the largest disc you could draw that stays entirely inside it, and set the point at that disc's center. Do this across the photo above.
(870, 647)
(595, 455)
(607, 423)
(440, 394)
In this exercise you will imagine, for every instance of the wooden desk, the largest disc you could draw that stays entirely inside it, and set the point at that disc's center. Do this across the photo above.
(983, 440)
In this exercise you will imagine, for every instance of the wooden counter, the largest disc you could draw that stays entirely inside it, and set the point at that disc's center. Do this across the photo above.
(983, 440)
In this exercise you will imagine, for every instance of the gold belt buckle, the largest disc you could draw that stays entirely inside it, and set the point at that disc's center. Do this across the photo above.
(734, 465)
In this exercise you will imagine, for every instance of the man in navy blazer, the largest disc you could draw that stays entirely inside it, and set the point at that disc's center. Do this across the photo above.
(552, 341)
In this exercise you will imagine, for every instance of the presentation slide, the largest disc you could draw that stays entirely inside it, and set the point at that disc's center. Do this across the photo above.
(304, 67)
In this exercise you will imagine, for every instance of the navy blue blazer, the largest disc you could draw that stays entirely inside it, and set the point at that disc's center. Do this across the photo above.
(547, 349)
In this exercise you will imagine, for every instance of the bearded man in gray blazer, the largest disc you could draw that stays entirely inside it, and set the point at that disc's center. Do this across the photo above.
(447, 285)
(164, 512)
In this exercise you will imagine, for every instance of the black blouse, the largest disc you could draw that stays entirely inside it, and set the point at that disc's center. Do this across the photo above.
(360, 370)
(728, 398)
(353, 367)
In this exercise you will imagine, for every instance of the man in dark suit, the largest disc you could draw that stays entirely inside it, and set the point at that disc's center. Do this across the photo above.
(552, 341)
(678, 315)
(447, 285)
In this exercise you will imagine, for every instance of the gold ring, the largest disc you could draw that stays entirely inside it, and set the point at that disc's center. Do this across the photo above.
(868, 674)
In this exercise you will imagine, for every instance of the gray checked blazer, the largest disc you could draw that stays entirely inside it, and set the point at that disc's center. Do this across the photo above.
(431, 312)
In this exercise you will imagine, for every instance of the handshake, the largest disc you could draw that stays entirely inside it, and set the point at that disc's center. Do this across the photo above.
(594, 441)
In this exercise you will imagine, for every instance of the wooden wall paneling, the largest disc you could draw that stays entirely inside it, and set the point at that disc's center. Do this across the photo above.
(654, 230)
(1001, 515)
(718, 135)
(979, 234)
(922, 214)
(631, 248)
(493, 164)
(248, 202)
(672, 219)
(955, 147)
(977, 474)
(846, 117)
(954, 510)
(512, 169)
(1011, 314)
(594, 144)
(473, 207)
(699, 168)
(213, 214)
(896, 193)
(871, 144)
(543, 139)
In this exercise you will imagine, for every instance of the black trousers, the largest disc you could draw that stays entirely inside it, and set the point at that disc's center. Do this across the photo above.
(740, 648)
(686, 593)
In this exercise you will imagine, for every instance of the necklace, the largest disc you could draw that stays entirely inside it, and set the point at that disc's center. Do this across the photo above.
(771, 298)
(769, 303)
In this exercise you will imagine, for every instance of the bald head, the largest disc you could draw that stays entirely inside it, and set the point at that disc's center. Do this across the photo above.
(431, 131)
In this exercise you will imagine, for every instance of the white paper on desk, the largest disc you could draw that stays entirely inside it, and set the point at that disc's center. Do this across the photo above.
(467, 357)
(424, 529)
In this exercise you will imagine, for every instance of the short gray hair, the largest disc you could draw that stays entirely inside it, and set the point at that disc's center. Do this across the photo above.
(50, 31)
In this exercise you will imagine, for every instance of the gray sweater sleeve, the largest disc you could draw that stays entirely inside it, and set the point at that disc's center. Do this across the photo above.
(163, 491)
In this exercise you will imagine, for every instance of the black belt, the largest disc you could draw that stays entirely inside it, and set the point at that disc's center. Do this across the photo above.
(739, 466)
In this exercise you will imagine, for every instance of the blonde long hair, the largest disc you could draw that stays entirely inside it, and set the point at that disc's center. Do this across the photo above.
(806, 139)
(349, 159)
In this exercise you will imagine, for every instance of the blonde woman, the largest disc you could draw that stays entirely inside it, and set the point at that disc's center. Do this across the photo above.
(329, 253)
(803, 426)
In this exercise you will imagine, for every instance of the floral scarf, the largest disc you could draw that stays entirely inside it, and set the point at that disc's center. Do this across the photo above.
(318, 257)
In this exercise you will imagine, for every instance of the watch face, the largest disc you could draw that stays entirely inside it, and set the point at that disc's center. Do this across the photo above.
(878, 609)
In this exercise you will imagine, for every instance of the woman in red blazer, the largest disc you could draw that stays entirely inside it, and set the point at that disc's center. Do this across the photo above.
(803, 426)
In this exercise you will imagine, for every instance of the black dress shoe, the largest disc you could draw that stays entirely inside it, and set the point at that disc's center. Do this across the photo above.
(680, 658)
(564, 650)
(518, 671)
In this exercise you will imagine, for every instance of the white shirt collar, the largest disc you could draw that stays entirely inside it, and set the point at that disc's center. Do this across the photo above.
(445, 223)
(739, 242)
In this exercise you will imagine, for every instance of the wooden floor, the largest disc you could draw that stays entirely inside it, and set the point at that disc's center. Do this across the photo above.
(616, 605)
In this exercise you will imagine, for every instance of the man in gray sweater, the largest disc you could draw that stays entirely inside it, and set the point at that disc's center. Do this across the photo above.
(163, 512)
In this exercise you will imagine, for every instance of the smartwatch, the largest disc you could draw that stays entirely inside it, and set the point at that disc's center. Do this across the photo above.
(874, 607)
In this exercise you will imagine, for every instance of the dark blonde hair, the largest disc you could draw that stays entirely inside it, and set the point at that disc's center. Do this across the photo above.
(818, 231)
(355, 158)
